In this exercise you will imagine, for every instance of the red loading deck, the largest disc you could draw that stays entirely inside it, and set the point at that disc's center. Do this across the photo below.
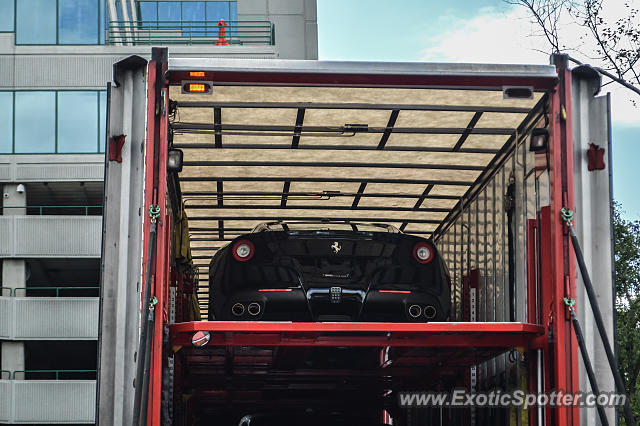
(497, 335)
(282, 365)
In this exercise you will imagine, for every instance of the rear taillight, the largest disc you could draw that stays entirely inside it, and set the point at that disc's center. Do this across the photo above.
(423, 252)
(243, 250)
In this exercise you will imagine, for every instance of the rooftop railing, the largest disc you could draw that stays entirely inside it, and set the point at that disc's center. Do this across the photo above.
(52, 374)
(58, 210)
(52, 291)
(218, 33)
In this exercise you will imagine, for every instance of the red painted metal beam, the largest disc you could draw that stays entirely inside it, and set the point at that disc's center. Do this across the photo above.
(362, 80)
(156, 159)
(479, 334)
(382, 327)
(533, 305)
(562, 267)
(148, 196)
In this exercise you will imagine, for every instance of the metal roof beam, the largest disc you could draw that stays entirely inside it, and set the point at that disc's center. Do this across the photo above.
(358, 195)
(219, 188)
(326, 179)
(470, 127)
(213, 230)
(348, 130)
(522, 131)
(390, 124)
(312, 218)
(227, 240)
(359, 106)
(285, 193)
(316, 195)
(340, 147)
(217, 127)
(297, 128)
(319, 207)
(416, 207)
(371, 74)
(324, 164)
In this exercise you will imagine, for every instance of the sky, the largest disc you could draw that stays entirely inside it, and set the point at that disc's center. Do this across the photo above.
(491, 31)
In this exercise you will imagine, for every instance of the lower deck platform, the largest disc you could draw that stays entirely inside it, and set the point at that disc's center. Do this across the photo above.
(471, 335)
(262, 366)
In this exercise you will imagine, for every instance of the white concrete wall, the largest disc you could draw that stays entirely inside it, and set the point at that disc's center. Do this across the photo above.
(91, 67)
(592, 191)
(47, 401)
(295, 22)
(49, 318)
(52, 168)
(50, 236)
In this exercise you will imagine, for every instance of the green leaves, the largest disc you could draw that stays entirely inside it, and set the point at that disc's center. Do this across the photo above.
(627, 264)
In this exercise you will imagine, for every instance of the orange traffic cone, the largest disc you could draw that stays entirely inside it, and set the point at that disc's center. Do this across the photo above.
(222, 33)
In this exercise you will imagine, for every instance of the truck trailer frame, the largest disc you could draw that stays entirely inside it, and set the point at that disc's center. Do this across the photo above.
(509, 306)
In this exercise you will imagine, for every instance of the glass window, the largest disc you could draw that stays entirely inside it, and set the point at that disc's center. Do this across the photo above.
(233, 16)
(103, 20)
(6, 130)
(119, 11)
(35, 122)
(193, 15)
(102, 135)
(193, 11)
(169, 12)
(6, 15)
(233, 11)
(77, 121)
(36, 22)
(217, 10)
(77, 21)
(148, 10)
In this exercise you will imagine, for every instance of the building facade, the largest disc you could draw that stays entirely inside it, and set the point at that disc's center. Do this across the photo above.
(56, 58)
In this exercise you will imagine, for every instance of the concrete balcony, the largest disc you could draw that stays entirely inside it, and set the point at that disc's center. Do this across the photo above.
(47, 401)
(49, 318)
(231, 33)
(52, 168)
(50, 236)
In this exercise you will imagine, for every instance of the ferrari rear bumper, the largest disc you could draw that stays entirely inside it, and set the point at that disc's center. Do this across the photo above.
(332, 304)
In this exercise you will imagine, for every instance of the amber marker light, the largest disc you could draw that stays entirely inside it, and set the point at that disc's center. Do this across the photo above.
(200, 87)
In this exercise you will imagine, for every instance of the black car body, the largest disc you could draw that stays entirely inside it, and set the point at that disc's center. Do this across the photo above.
(328, 272)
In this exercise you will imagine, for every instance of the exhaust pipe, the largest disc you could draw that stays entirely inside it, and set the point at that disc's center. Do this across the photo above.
(430, 312)
(254, 308)
(237, 309)
(415, 311)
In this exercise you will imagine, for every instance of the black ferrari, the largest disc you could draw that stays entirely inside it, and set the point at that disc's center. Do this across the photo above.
(328, 271)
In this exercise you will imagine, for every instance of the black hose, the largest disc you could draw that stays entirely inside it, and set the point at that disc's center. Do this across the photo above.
(160, 56)
(552, 371)
(593, 301)
(147, 371)
(587, 364)
(511, 189)
(142, 346)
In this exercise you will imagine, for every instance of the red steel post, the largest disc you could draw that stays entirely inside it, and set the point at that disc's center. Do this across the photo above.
(156, 159)
(566, 373)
